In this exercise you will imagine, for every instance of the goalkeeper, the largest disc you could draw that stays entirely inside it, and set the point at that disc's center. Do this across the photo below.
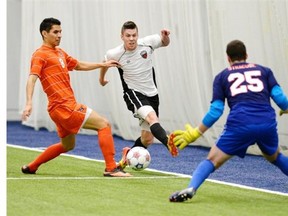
(247, 88)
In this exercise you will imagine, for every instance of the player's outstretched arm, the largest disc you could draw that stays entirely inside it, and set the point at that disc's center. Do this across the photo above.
(87, 66)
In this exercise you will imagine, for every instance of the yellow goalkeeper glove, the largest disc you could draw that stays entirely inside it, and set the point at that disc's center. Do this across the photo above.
(184, 137)
(283, 112)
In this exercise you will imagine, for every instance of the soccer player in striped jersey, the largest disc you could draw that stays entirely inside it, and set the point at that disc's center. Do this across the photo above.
(247, 87)
(51, 65)
(139, 84)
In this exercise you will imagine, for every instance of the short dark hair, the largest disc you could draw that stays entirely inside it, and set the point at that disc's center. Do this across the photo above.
(128, 25)
(47, 24)
(236, 50)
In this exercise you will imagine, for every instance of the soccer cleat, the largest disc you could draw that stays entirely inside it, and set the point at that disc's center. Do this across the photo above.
(116, 173)
(181, 196)
(26, 170)
(123, 162)
(171, 146)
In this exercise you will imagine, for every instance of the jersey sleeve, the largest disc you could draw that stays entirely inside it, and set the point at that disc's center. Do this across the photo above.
(152, 40)
(218, 91)
(70, 61)
(109, 55)
(115, 53)
(271, 79)
(37, 63)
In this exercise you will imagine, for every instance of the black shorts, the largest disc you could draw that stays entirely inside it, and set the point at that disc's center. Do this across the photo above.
(134, 100)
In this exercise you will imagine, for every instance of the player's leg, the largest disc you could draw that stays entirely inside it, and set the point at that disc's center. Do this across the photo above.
(268, 142)
(139, 143)
(146, 137)
(106, 143)
(151, 128)
(214, 160)
(147, 109)
(132, 101)
(279, 160)
(50, 153)
(144, 141)
(157, 130)
(282, 163)
(151, 115)
(67, 142)
(155, 127)
(231, 142)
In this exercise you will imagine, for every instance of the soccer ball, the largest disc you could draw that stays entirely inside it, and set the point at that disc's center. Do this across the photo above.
(138, 158)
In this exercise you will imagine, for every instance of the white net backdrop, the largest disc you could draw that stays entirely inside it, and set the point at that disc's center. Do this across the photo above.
(185, 69)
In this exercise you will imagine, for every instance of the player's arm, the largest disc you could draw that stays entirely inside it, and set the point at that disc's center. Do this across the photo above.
(280, 99)
(29, 96)
(183, 138)
(165, 37)
(86, 66)
(102, 79)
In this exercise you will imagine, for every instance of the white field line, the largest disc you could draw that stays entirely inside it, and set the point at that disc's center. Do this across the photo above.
(175, 175)
(92, 178)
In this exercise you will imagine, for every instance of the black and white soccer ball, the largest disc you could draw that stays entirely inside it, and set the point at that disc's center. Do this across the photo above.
(138, 158)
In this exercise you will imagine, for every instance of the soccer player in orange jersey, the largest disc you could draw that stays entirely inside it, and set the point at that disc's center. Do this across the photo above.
(51, 65)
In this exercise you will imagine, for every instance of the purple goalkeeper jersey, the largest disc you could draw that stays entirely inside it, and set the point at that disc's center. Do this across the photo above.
(247, 89)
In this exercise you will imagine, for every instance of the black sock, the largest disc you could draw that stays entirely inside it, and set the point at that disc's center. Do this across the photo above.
(138, 143)
(159, 133)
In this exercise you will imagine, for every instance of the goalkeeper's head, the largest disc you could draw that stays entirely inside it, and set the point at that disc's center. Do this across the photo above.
(236, 51)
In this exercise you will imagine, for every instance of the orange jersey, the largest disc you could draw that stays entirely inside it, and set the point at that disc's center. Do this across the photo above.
(52, 66)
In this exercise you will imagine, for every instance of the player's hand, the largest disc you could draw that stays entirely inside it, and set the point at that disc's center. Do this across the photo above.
(26, 112)
(281, 112)
(165, 33)
(184, 137)
(111, 63)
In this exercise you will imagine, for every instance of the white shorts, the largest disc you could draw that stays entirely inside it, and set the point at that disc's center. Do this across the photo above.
(88, 113)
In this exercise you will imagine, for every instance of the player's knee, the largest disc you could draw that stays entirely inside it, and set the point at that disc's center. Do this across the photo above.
(271, 158)
(105, 123)
(68, 142)
(69, 147)
(216, 162)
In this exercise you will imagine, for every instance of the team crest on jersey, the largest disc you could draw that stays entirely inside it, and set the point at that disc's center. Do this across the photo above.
(62, 62)
(143, 54)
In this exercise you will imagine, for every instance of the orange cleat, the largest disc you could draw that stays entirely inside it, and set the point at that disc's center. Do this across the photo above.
(171, 146)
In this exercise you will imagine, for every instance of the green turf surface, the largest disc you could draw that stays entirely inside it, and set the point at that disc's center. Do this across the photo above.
(71, 186)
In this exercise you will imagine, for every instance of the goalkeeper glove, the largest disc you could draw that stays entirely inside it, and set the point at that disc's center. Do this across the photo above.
(184, 137)
(283, 112)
